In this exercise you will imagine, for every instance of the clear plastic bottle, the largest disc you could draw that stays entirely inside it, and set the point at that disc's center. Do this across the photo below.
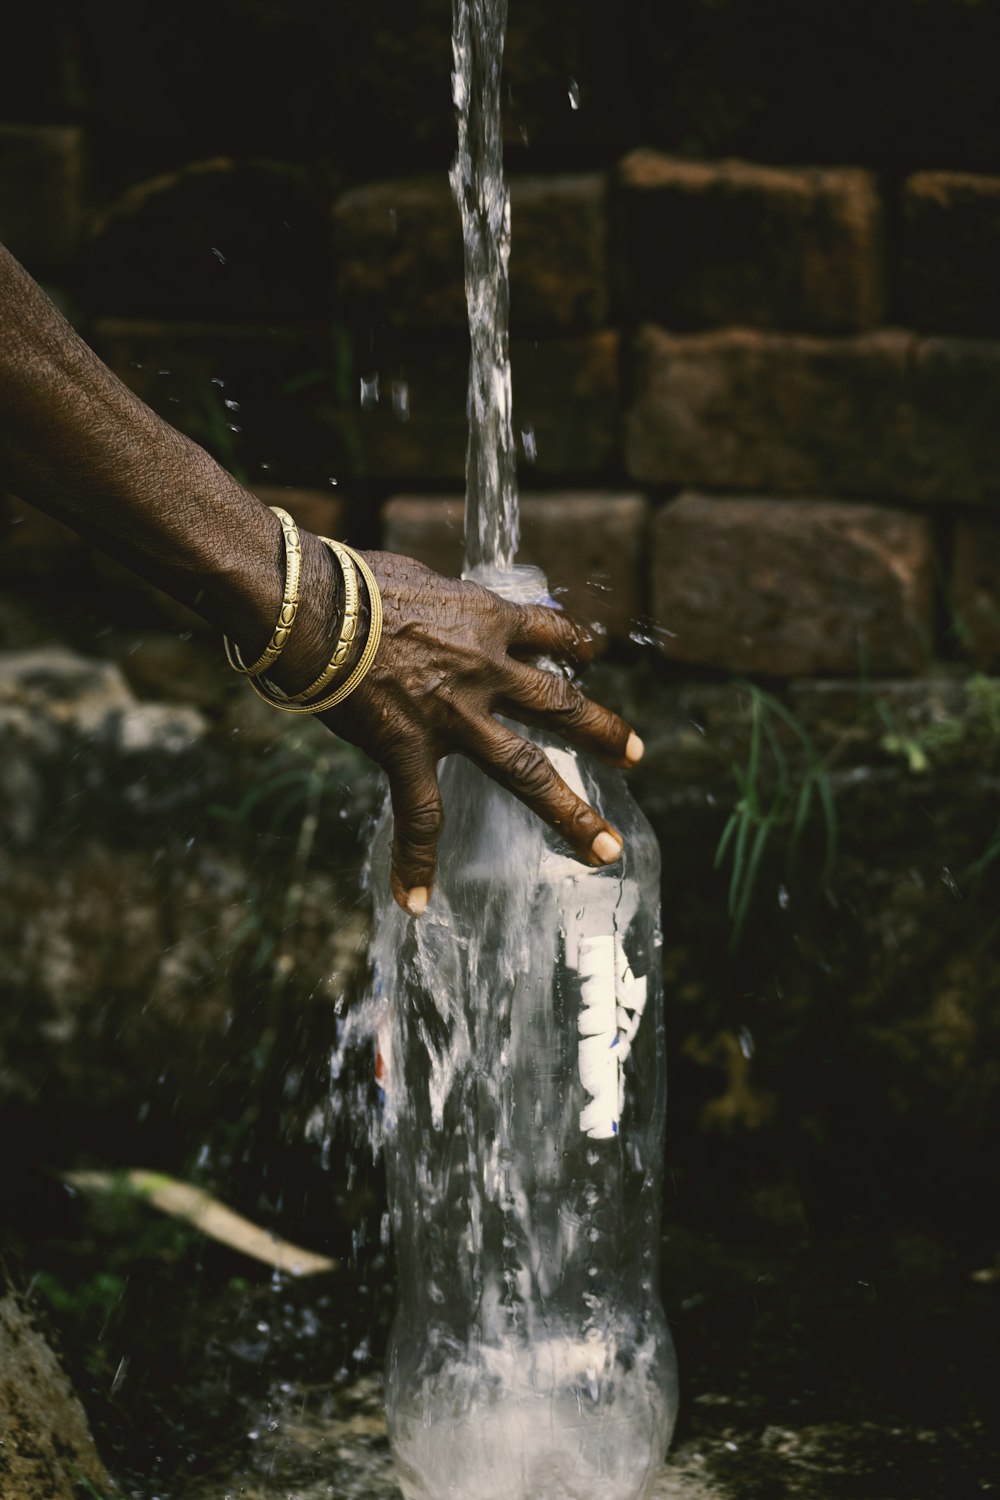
(521, 1058)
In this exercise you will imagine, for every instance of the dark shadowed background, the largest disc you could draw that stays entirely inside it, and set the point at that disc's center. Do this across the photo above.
(755, 317)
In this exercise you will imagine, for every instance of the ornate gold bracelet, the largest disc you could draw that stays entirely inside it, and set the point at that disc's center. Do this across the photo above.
(348, 629)
(277, 699)
(289, 604)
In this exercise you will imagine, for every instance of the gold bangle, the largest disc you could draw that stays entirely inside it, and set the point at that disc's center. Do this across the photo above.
(348, 629)
(289, 604)
(271, 695)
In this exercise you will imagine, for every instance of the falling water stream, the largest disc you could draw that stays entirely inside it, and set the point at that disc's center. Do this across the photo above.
(521, 1100)
(491, 511)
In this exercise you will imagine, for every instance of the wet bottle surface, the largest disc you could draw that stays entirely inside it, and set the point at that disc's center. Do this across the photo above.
(522, 1063)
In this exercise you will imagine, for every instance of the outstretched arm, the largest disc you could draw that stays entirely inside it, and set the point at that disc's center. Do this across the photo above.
(78, 444)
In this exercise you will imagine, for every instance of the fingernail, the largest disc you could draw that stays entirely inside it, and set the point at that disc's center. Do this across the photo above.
(634, 750)
(606, 848)
(416, 900)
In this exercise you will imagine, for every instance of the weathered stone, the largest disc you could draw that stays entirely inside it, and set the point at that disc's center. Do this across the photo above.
(400, 258)
(40, 194)
(589, 545)
(566, 408)
(47, 1450)
(705, 244)
(883, 413)
(218, 239)
(951, 249)
(975, 588)
(946, 432)
(793, 588)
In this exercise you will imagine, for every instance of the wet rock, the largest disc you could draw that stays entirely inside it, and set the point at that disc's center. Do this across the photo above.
(46, 1447)
(793, 587)
(596, 579)
(705, 244)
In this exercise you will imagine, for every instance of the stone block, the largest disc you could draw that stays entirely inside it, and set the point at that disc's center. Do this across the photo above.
(400, 260)
(878, 414)
(217, 239)
(705, 244)
(566, 409)
(41, 171)
(947, 434)
(951, 250)
(590, 545)
(975, 588)
(791, 588)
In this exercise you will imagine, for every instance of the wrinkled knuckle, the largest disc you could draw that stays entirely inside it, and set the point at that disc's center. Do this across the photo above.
(530, 771)
(424, 823)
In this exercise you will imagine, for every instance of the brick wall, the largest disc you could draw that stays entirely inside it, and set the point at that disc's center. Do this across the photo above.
(755, 317)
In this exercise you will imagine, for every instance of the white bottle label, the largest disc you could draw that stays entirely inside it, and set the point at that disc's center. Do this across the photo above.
(613, 1001)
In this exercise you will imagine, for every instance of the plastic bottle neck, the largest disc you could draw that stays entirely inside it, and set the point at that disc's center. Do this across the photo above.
(521, 584)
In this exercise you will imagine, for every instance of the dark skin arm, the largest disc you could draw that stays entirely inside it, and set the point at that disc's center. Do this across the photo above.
(78, 444)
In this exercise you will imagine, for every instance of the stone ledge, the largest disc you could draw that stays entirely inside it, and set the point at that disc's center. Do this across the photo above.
(705, 244)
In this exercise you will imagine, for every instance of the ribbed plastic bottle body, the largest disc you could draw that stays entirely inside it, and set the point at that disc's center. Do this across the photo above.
(522, 1059)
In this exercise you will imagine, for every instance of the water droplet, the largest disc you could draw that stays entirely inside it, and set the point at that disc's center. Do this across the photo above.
(218, 255)
(217, 380)
(951, 883)
(783, 897)
(746, 1042)
(369, 390)
(232, 405)
(649, 633)
(233, 427)
(529, 444)
(119, 1374)
(574, 94)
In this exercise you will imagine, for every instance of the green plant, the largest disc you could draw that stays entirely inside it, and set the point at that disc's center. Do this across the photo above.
(772, 797)
(86, 1485)
(927, 744)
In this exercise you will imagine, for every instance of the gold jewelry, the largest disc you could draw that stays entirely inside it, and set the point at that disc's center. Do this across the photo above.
(272, 695)
(348, 629)
(289, 604)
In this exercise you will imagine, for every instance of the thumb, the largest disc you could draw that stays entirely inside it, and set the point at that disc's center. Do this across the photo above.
(418, 818)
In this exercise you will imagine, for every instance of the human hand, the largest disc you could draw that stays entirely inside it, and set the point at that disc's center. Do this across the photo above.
(452, 655)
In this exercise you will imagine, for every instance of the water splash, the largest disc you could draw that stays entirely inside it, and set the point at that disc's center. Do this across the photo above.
(491, 513)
